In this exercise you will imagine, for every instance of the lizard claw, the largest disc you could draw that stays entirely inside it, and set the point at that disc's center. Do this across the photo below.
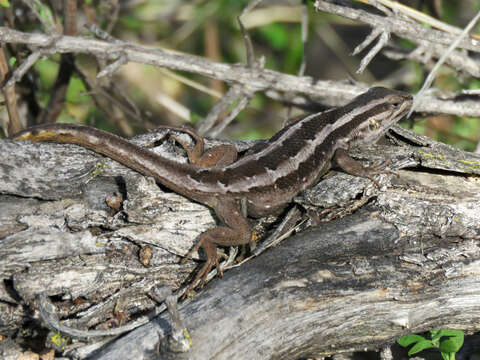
(212, 261)
(378, 167)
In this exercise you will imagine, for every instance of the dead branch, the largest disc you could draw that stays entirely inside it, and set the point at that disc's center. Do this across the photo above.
(300, 90)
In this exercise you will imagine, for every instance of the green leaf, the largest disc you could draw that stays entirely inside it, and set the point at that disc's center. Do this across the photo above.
(45, 13)
(277, 35)
(451, 345)
(48, 70)
(435, 336)
(421, 345)
(76, 91)
(456, 333)
(474, 84)
(408, 340)
(12, 61)
(4, 3)
(132, 23)
(448, 356)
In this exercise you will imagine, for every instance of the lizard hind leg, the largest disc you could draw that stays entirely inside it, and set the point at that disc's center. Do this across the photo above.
(236, 231)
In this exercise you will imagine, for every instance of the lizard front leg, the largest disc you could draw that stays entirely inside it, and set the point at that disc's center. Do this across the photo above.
(356, 168)
(235, 231)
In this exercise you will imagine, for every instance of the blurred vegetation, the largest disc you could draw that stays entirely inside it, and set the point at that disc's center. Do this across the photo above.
(209, 29)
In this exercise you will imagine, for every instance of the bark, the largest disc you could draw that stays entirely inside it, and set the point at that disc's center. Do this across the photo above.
(391, 261)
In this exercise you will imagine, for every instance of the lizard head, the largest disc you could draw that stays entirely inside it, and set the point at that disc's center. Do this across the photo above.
(377, 110)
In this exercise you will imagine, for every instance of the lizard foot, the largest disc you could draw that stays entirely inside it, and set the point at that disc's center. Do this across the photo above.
(212, 261)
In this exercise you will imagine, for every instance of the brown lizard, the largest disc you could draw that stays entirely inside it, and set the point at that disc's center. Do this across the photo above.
(262, 182)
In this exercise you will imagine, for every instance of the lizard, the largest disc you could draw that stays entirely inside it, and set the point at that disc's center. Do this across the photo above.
(263, 181)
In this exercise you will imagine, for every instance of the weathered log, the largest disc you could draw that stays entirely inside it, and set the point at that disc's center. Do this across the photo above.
(405, 262)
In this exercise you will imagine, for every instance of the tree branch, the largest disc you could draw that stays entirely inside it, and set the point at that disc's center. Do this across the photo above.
(297, 90)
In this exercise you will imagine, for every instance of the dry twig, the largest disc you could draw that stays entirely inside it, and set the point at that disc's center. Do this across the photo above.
(275, 85)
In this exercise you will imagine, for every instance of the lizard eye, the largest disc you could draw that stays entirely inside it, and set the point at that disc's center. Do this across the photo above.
(372, 124)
